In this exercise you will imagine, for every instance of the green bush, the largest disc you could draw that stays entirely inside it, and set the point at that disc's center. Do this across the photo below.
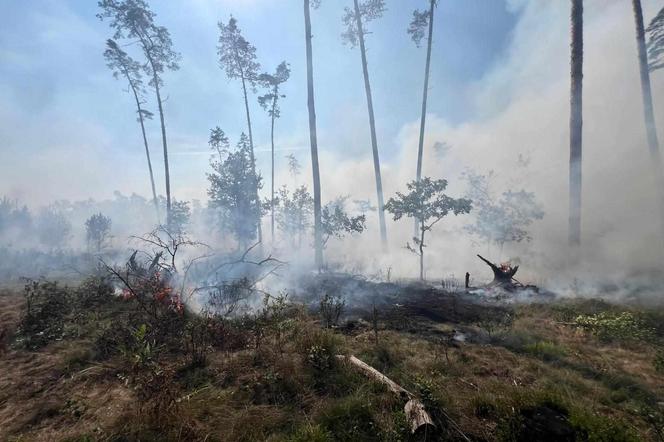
(616, 326)
(47, 306)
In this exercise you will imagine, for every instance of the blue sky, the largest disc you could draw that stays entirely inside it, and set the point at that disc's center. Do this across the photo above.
(54, 79)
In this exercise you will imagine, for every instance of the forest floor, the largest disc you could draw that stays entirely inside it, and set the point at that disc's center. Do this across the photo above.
(82, 364)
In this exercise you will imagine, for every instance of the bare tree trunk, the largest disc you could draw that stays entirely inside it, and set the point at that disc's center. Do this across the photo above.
(425, 93)
(372, 125)
(253, 158)
(318, 240)
(145, 143)
(422, 250)
(648, 111)
(167, 173)
(576, 124)
(274, 103)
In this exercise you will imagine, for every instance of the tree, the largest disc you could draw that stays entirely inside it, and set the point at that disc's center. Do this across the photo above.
(426, 203)
(318, 229)
(422, 20)
(53, 228)
(180, 217)
(655, 40)
(355, 21)
(97, 230)
(294, 213)
(337, 223)
(232, 191)
(576, 123)
(123, 65)
(646, 95)
(133, 19)
(238, 58)
(293, 165)
(504, 219)
(270, 102)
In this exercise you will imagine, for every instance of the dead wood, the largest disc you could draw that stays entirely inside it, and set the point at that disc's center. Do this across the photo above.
(414, 408)
(502, 275)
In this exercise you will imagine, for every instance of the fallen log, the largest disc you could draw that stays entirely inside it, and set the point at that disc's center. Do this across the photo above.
(415, 412)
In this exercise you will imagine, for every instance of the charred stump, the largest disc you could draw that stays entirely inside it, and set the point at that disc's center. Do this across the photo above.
(502, 275)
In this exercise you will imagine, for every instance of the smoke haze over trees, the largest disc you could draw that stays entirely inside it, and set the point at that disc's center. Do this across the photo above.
(482, 87)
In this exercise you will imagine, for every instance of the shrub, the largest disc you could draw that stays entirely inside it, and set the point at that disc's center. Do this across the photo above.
(318, 348)
(46, 308)
(331, 308)
(610, 326)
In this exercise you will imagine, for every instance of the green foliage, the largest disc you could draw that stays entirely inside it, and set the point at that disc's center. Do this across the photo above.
(133, 20)
(47, 306)
(426, 203)
(180, 217)
(418, 25)
(233, 191)
(236, 55)
(335, 221)
(621, 326)
(272, 82)
(294, 213)
(318, 348)
(97, 230)
(369, 10)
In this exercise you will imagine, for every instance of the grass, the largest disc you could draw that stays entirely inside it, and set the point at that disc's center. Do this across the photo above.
(105, 376)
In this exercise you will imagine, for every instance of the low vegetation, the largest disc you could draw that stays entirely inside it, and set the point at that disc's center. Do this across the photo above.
(84, 363)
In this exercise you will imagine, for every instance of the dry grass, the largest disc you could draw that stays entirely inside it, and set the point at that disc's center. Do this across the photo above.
(486, 388)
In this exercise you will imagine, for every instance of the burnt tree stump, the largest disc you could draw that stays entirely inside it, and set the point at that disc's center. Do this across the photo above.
(502, 275)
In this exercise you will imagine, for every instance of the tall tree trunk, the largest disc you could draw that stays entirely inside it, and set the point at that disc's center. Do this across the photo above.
(425, 93)
(318, 237)
(147, 153)
(576, 123)
(145, 141)
(648, 112)
(274, 105)
(253, 158)
(167, 173)
(372, 125)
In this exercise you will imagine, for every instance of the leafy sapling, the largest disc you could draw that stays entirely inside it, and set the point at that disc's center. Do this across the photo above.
(426, 203)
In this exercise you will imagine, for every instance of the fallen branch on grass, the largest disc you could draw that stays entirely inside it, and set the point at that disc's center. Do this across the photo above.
(414, 409)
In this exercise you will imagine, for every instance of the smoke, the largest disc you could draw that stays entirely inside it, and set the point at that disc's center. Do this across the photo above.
(522, 134)
(520, 131)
